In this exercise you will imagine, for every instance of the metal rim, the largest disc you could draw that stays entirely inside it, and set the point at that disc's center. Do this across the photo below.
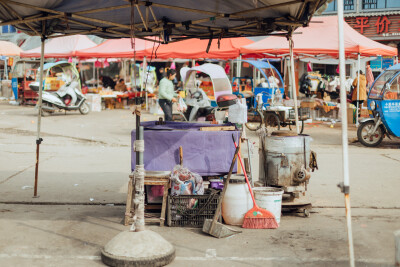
(84, 109)
(373, 138)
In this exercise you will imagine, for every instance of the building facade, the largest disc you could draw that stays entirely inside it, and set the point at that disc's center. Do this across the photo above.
(379, 20)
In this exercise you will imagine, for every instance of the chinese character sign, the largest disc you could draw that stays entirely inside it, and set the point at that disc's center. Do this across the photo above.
(377, 26)
(362, 22)
(382, 24)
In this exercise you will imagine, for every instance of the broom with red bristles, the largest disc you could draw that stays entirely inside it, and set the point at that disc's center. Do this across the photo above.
(256, 218)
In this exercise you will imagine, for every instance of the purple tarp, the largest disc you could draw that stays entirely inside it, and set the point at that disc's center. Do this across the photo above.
(206, 153)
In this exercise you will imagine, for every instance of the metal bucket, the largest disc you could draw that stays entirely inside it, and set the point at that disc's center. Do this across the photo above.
(287, 160)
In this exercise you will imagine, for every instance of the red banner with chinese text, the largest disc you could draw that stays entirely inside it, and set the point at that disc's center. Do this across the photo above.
(377, 27)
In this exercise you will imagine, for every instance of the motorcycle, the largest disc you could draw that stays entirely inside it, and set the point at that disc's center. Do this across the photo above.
(68, 97)
(384, 109)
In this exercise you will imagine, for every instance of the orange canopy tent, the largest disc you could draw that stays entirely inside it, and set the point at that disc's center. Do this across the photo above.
(61, 47)
(117, 48)
(319, 39)
(196, 48)
(9, 49)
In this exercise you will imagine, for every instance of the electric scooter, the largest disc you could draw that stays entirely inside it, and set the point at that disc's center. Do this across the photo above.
(67, 98)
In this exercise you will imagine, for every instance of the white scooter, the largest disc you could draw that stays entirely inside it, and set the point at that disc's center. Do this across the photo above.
(68, 97)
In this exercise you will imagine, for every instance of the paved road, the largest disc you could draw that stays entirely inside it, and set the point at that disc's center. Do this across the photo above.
(86, 160)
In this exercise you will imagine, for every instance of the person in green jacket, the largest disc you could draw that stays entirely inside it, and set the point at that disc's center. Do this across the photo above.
(166, 94)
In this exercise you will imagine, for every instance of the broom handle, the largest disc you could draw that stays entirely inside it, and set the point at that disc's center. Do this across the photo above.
(245, 175)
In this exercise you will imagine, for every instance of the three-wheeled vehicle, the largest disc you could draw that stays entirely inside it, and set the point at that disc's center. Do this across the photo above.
(207, 88)
(384, 109)
(263, 89)
(23, 73)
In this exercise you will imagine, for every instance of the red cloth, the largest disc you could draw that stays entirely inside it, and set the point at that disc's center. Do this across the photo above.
(196, 49)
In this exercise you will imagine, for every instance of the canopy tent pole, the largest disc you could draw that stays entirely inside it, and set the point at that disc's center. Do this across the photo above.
(144, 80)
(94, 72)
(193, 63)
(6, 68)
(293, 82)
(98, 77)
(358, 86)
(240, 66)
(134, 73)
(39, 105)
(345, 186)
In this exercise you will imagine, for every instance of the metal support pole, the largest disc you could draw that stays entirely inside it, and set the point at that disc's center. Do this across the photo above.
(345, 186)
(139, 223)
(39, 105)
(6, 68)
(98, 78)
(293, 82)
(144, 80)
(193, 63)
(358, 86)
(240, 66)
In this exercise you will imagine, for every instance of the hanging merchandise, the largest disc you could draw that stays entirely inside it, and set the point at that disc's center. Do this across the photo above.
(70, 60)
(106, 64)
(227, 68)
(173, 66)
(97, 64)
(309, 67)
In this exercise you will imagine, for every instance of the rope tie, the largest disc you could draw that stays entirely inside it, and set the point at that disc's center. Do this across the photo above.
(138, 146)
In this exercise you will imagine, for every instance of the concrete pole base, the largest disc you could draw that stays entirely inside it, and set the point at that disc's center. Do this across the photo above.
(145, 248)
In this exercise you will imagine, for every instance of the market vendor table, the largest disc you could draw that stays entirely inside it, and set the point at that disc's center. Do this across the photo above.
(208, 153)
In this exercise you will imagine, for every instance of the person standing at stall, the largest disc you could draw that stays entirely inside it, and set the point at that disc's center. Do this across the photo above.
(166, 94)
(362, 95)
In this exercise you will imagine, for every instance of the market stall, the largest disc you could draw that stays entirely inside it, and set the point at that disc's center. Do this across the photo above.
(191, 19)
(8, 52)
(318, 44)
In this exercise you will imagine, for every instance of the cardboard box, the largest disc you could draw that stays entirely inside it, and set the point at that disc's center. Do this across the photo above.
(351, 116)
(311, 105)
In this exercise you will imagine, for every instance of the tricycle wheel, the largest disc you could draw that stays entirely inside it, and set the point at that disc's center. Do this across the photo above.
(294, 125)
(255, 125)
(272, 122)
(373, 139)
(302, 127)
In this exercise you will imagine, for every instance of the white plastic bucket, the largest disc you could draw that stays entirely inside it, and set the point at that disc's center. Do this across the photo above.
(269, 198)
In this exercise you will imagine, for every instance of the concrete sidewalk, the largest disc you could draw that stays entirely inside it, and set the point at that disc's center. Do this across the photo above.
(85, 163)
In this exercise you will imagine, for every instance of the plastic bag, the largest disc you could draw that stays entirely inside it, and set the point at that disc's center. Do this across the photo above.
(182, 107)
(238, 113)
(185, 182)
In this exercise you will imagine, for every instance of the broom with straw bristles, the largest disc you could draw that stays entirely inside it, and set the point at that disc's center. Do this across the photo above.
(256, 218)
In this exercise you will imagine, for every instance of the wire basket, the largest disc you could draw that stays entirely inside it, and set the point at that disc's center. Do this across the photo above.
(304, 114)
(192, 210)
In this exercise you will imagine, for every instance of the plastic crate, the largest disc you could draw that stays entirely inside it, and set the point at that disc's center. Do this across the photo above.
(192, 210)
